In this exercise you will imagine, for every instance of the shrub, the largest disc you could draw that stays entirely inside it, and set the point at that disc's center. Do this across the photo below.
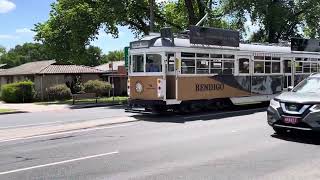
(19, 92)
(95, 86)
(59, 92)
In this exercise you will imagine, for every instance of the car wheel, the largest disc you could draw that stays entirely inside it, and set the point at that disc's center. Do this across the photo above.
(280, 131)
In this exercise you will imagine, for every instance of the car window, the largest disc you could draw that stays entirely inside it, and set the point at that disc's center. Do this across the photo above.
(311, 85)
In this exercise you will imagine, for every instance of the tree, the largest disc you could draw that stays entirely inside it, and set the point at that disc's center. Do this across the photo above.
(277, 19)
(93, 56)
(117, 55)
(73, 24)
(21, 54)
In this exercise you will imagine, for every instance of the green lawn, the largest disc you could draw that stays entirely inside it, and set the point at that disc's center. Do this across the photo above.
(6, 110)
(117, 100)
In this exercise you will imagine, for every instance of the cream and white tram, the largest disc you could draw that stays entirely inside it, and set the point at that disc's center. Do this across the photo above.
(173, 73)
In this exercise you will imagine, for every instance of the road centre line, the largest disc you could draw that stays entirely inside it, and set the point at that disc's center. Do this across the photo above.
(65, 132)
(221, 113)
(58, 163)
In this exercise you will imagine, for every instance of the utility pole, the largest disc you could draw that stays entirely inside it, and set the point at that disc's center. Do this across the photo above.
(151, 3)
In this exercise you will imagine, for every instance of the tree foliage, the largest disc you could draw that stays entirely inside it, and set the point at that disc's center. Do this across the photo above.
(29, 52)
(21, 54)
(277, 19)
(117, 55)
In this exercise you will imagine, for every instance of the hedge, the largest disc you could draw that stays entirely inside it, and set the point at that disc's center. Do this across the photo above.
(59, 92)
(95, 86)
(19, 92)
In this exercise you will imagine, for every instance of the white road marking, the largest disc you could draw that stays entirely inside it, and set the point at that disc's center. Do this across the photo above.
(66, 132)
(221, 113)
(57, 163)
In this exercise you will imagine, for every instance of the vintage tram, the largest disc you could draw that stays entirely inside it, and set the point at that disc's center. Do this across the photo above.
(211, 68)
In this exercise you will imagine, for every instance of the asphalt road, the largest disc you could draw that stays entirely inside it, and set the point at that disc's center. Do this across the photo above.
(60, 116)
(229, 145)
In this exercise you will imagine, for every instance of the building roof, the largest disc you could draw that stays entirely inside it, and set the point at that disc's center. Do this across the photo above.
(106, 67)
(69, 69)
(28, 68)
(48, 67)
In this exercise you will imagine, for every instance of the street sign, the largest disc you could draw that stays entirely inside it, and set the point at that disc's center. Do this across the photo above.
(126, 56)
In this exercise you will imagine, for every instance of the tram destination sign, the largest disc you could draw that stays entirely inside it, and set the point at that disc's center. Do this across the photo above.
(139, 44)
(309, 45)
(214, 36)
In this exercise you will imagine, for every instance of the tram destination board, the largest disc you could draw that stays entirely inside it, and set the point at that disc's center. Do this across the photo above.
(309, 45)
(214, 36)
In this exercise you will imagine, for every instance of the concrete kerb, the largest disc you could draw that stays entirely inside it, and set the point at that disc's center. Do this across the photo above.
(29, 132)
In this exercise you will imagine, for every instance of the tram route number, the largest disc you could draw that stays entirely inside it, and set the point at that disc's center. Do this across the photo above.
(209, 87)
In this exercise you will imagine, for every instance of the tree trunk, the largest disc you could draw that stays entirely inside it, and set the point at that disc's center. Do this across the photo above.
(151, 3)
(202, 8)
(190, 10)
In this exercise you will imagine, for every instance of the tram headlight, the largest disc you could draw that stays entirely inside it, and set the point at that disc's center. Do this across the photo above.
(139, 87)
(274, 103)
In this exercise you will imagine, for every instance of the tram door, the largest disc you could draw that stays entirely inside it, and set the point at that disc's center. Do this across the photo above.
(170, 75)
(288, 71)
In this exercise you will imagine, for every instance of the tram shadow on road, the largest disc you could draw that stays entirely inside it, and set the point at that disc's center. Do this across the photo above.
(171, 117)
(300, 137)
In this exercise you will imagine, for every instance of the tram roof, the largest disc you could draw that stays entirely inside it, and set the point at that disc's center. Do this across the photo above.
(180, 42)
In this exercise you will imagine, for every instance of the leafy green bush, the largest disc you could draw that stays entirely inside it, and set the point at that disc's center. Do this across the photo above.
(95, 86)
(19, 92)
(59, 92)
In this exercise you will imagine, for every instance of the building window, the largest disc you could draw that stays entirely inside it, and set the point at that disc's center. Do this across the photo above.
(137, 63)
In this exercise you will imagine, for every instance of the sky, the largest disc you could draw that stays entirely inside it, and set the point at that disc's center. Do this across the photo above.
(18, 17)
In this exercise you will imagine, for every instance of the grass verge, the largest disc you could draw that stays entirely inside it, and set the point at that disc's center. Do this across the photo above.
(107, 100)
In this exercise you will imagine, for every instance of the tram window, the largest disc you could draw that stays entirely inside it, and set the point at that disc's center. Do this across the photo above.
(287, 66)
(228, 67)
(216, 67)
(313, 59)
(268, 67)
(202, 66)
(314, 67)
(202, 55)
(306, 59)
(276, 58)
(170, 61)
(275, 67)
(306, 67)
(185, 54)
(298, 59)
(216, 55)
(228, 56)
(244, 65)
(259, 57)
(298, 67)
(153, 63)
(258, 67)
(268, 57)
(187, 66)
(137, 63)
